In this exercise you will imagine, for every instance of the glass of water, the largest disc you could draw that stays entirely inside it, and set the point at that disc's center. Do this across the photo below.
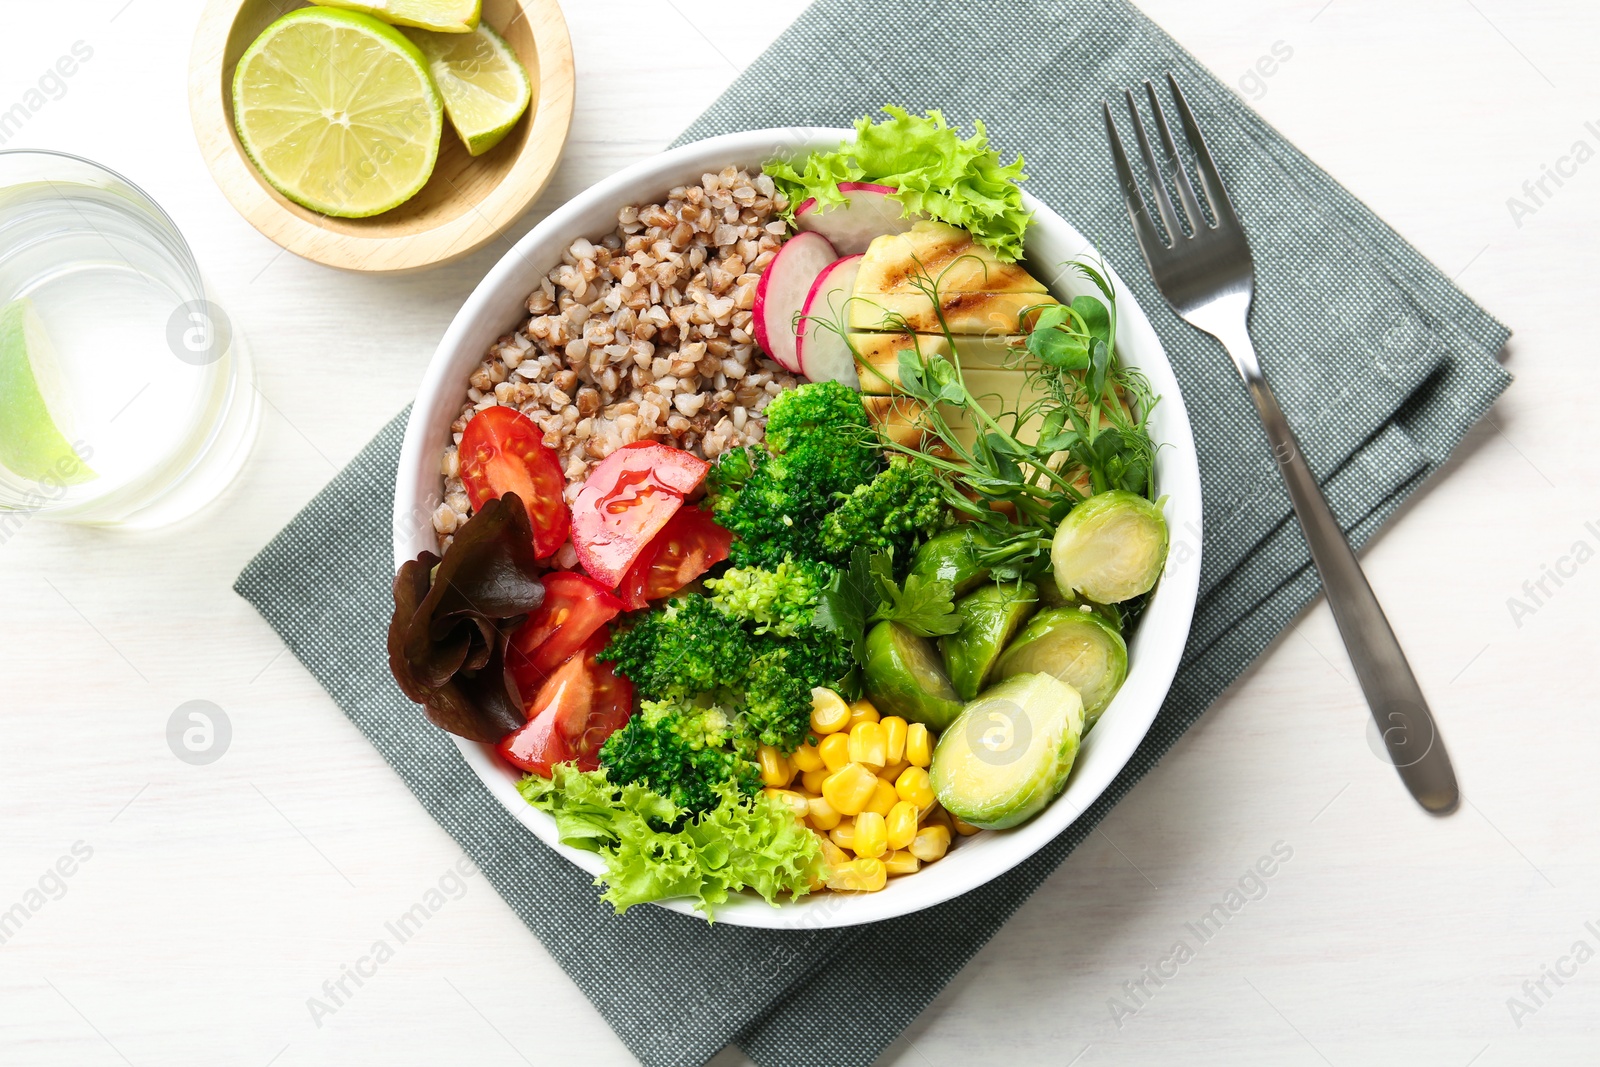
(125, 394)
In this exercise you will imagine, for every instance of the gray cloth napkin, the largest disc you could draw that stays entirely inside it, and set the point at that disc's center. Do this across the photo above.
(1381, 363)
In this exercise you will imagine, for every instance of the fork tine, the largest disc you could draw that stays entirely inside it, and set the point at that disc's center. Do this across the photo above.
(1180, 173)
(1210, 179)
(1143, 228)
(1158, 184)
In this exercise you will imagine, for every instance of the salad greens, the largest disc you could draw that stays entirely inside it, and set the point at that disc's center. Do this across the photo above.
(934, 171)
(655, 849)
(454, 617)
(952, 555)
(866, 592)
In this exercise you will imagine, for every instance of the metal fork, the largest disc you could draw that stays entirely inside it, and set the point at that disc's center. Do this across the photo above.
(1205, 271)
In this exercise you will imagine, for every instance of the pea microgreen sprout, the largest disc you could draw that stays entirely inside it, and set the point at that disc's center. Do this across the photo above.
(1090, 417)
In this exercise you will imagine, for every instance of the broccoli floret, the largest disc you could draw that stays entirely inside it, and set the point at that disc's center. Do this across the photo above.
(682, 751)
(778, 600)
(895, 510)
(691, 653)
(732, 469)
(774, 515)
(829, 418)
(685, 648)
(778, 684)
(819, 445)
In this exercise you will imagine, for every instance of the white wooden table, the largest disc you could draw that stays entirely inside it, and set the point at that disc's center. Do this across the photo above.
(215, 900)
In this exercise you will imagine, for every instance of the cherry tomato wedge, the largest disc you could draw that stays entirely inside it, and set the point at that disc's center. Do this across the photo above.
(672, 467)
(688, 545)
(558, 712)
(575, 608)
(577, 708)
(625, 502)
(609, 710)
(501, 452)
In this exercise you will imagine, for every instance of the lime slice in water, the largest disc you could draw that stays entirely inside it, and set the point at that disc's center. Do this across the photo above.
(337, 111)
(484, 87)
(33, 403)
(445, 16)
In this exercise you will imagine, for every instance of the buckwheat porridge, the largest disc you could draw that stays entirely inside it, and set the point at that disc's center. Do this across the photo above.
(645, 334)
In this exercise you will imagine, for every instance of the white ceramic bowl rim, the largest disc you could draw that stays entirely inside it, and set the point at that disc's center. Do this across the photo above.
(497, 305)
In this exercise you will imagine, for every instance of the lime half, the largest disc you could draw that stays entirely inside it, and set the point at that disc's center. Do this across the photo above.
(484, 87)
(33, 403)
(337, 111)
(445, 16)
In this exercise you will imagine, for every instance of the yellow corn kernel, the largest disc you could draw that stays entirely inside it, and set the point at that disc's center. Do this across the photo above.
(883, 799)
(811, 781)
(965, 829)
(893, 770)
(806, 758)
(858, 876)
(862, 711)
(931, 843)
(844, 834)
(835, 751)
(829, 712)
(775, 770)
(849, 789)
(901, 862)
(823, 817)
(790, 799)
(915, 786)
(919, 748)
(866, 744)
(871, 836)
(832, 854)
(901, 825)
(937, 816)
(894, 738)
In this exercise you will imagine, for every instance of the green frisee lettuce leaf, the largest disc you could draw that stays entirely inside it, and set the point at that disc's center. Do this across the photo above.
(937, 173)
(744, 843)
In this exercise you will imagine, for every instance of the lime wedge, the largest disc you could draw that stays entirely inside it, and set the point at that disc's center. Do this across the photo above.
(443, 16)
(337, 112)
(33, 402)
(484, 87)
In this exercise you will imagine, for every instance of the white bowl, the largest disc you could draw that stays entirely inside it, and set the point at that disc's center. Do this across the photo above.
(495, 308)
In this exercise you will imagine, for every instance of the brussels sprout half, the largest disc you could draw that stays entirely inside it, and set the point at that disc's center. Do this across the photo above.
(1110, 548)
(1009, 752)
(904, 677)
(952, 556)
(990, 616)
(1079, 647)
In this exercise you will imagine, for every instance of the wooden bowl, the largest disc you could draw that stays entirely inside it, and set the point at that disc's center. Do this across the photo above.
(468, 201)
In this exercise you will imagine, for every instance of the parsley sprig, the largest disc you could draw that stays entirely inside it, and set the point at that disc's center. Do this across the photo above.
(865, 592)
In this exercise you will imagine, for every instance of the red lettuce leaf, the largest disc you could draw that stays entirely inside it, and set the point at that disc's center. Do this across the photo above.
(454, 616)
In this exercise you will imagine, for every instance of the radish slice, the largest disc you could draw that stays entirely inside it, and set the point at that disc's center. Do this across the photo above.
(866, 213)
(781, 293)
(824, 355)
